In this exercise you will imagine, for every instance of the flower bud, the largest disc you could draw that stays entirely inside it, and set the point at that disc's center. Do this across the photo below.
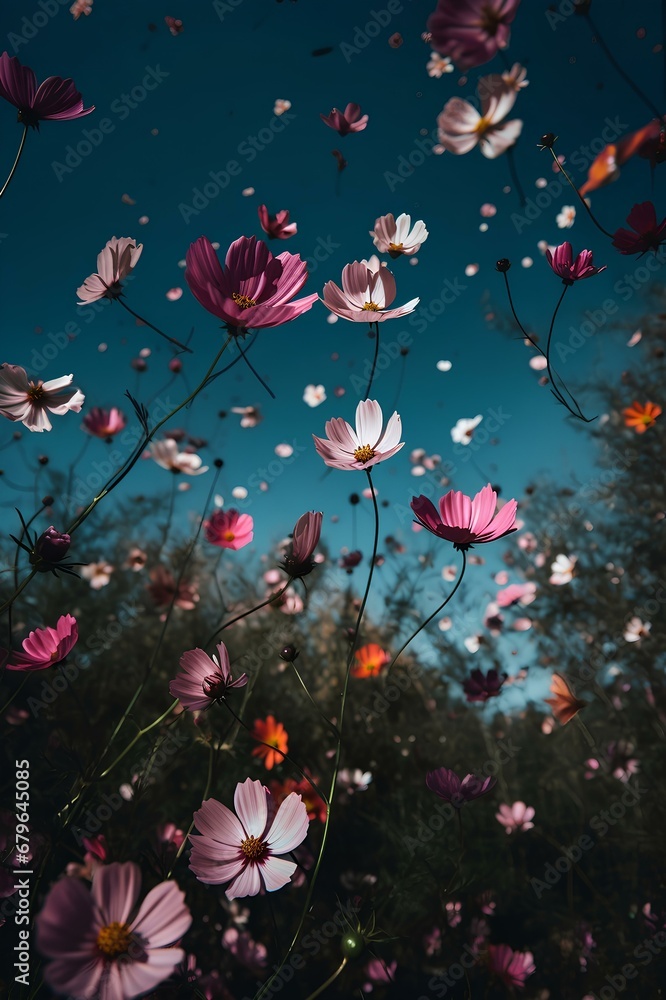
(289, 653)
(50, 547)
(503, 265)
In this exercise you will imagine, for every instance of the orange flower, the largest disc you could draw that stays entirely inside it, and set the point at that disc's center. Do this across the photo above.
(275, 735)
(314, 804)
(369, 660)
(564, 703)
(641, 416)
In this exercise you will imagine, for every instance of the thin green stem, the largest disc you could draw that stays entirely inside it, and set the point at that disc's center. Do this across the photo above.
(579, 195)
(176, 343)
(615, 64)
(142, 732)
(257, 607)
(331, 725)
(209, 780)
(331, 979)
(16, 161)
(374, 360)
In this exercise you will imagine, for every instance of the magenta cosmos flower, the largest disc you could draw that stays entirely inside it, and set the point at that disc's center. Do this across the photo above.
(511, 967)
(28, 401)
(51, 546)
(244, 849)
(98, 946)
(54, 100)
(461, 127)
(570, 270)
(346, 121)
(104, 423)
(253, 290)
(647, 235)
(368, 288)
(114, 263)
(277, 227)
(480, 687)
(515, 817)
(371, 443)
(464, 521)
(471, 31)
(305, 538)
(46, 646)
(449, 787)
(204, 680)
(229, 529)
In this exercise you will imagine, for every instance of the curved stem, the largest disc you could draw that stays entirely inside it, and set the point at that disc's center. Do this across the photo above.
(331, 725)
(515, 316)
(171, 340)
(254, 370)
(579, 195)
(430, 617)
(142, 732)
(514, 176)
(615, 64)
(336, 767)
(374, 360)
(556, 391)
(331, 979)
(209, 781)
(16, 161)
(245, 614)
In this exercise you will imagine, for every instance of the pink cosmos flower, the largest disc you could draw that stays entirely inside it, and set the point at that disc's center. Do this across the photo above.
(250, 953)
(461, 127)
(398, 236)
(298, 558)
(28, 401)
(470, 32)
(515, 817)
(647, 235)
(54, 100)
(203, 680)
(45, 646)
(104, 423)
(163, 590)
(464, 521)
(346, 121)
(516, 593)
(368, 288)
(277, 226)
(243, 849)
(449, 787)
(570, 270)
(98, 574)
(371, 443)
(80, 7)
(229, 529)
(511, 967)
(114, 263)
(166, 454)
(253, 290)
(95, 944)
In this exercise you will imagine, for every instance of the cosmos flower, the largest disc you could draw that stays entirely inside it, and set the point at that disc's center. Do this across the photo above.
(80, 7)
(562, 570)
(45, 646)
(98, 574)
(28, 401)
(516, 817)
(461, 127)
(250, 953)
(163, 590)
(269, 731)
(371, 443)
(640, 416)
(516, 77)
(398, 236)
(165, 453)
(472, 31)
(354, 779)
(511, 967)
(114, 263)
(570, 270)
(253, 290)
(203, 680)
(315, 805)
(243, 849)
(516, 593)
(104, 423)
(438, 65)
(51, 546)
(314, 395)
(305, 539)
(368, 289)
(635, 629)
(250, 415)
(344, 122)
(97, 942)
(229, 530)
(464, 521)
(478, 687)
(277, 227)
(464, 429)
(647, 234)
(370, 660)
(566, 218)
(563, 703)
(449, 787)
(54, 100)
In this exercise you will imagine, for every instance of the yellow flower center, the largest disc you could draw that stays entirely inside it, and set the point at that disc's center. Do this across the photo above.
(395, 246)
(229, 536)
(364, 453)
(114, 939)
(253, 848)
(243, 301)
(372, 306)
(35, 391)
(482, 125)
